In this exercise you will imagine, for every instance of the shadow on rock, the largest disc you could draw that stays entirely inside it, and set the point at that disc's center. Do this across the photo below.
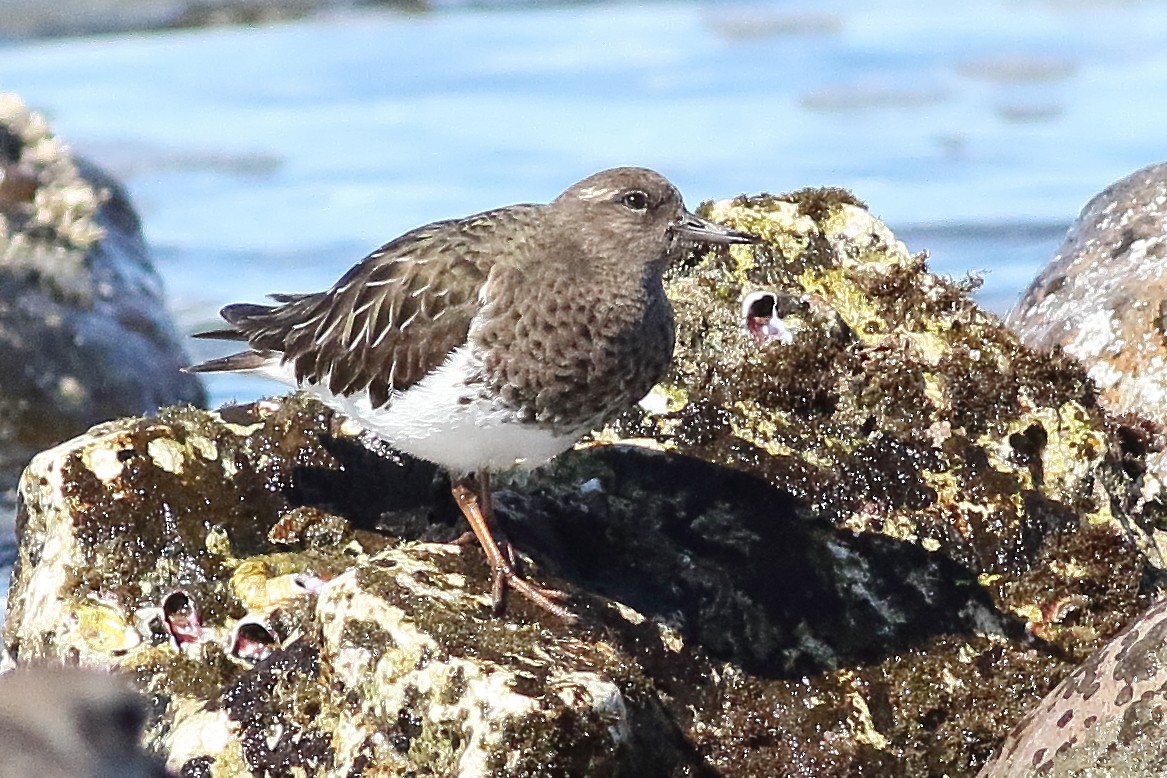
(742, 569)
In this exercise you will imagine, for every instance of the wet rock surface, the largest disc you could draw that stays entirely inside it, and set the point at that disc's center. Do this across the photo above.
(860, 530)
(84, 332)
(1100, 299)
(900, 409)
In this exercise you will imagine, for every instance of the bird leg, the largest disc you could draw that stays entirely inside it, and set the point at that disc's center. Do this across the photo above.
(473, 497)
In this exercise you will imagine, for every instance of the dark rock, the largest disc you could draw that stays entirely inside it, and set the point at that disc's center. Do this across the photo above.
(84, 331)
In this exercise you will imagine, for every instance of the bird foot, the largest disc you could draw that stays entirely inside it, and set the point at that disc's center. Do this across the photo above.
(506, 578)
(501, 557)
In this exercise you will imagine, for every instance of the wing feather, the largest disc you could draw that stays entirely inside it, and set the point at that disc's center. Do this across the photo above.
(390, 320)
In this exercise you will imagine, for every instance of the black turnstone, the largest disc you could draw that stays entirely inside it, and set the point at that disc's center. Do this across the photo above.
(493, 341)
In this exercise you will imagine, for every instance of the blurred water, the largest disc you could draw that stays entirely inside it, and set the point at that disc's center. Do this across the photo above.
(270, 159)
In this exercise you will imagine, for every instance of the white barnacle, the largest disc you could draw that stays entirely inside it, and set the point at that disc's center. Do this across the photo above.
(760, 319)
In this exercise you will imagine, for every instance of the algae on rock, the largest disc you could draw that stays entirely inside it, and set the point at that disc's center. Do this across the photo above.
(870, 530)
(898, 407)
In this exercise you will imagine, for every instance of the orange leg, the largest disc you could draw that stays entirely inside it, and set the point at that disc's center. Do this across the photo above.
(476, 507)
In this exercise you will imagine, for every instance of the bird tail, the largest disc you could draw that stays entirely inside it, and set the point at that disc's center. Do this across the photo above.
(236, 314)
(244, 325)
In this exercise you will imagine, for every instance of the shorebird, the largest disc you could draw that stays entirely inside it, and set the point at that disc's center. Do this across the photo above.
(492, 341)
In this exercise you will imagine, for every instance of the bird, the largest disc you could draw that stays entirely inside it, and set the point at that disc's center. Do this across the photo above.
(493, 341)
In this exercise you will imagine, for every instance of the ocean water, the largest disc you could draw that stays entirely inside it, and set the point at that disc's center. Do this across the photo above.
(272, 158)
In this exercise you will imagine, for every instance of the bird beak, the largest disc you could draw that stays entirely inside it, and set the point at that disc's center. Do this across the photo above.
(693, 229)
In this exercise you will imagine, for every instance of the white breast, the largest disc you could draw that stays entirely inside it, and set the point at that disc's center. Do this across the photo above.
(432, 421)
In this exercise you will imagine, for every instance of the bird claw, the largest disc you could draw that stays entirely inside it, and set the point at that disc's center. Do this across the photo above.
(501, 556)
(467, 538)
(548, 599)
(545, 598)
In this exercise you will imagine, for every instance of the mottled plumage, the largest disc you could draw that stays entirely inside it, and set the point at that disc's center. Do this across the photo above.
(494, 340)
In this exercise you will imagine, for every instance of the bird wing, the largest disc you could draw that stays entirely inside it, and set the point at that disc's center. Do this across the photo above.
(389, 321)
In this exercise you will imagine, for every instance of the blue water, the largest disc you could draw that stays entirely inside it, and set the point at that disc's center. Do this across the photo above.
(269, 159)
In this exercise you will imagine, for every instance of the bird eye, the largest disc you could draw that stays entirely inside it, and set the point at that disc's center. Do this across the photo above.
(635, 200)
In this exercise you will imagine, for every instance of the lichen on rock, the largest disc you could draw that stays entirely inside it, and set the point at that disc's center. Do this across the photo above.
(382, 654)
(900, 408)
(49, 209)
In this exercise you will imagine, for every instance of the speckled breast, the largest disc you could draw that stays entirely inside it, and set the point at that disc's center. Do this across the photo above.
(571, 362)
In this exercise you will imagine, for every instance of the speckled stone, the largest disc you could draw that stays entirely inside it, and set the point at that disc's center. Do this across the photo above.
(1106, 720)
(1103, 297)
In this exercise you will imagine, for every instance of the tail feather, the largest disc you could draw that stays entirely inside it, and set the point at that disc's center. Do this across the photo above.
(244, 360)
(237, 313)
(220, 335)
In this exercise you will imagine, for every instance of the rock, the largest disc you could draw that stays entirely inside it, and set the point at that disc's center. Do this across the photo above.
(1103, 297)
(61, 722)
(861, 529)
(898, 408)
(1104, 719)
(223, 564)
(84, 331)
